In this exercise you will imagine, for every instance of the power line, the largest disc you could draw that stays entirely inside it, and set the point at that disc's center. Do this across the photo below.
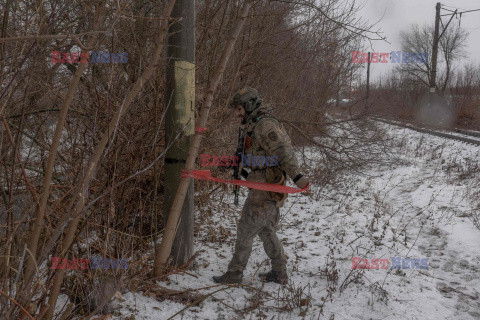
(448, 9)
(443, 7)
(469, 11)
(448, 14)
(452, 7)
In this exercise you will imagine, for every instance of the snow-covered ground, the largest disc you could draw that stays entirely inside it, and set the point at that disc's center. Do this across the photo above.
(417, 206)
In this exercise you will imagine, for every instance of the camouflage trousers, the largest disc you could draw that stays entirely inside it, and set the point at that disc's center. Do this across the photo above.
(259, 217)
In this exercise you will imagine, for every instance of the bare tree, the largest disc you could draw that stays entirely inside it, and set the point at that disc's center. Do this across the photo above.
(420, 40)
(452, 44)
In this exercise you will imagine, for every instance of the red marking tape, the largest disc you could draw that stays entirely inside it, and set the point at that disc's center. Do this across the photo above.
(205, 175)
(200, 130)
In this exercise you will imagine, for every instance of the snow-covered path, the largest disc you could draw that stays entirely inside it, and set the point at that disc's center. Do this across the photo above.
(417, 208)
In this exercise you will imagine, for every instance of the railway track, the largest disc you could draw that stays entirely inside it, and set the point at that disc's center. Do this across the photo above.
(436, 133)
(469, 132)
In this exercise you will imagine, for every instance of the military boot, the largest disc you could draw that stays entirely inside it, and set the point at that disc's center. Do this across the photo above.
(280, 277)
(229, 277)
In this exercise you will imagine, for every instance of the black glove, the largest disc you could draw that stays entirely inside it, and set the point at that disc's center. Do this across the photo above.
(300, 181)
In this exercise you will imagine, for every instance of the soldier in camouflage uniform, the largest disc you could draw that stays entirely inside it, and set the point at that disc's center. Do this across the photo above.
(265, 136)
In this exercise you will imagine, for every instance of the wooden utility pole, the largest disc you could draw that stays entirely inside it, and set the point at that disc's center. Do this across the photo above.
(180, 116)
(433, 76)
(163, 250)
(368, 82)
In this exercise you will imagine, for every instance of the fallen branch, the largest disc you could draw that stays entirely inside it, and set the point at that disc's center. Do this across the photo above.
(194, 303)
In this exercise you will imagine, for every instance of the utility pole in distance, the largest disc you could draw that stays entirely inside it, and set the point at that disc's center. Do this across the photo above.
(180, 99)
(433, 76)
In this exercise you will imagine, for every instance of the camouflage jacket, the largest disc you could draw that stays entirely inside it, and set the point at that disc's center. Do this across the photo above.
(266, 138)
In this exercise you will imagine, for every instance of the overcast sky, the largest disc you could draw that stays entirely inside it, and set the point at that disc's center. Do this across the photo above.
(398, 15)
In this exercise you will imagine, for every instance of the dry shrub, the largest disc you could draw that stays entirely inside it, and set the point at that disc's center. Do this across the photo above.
(468, 112)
